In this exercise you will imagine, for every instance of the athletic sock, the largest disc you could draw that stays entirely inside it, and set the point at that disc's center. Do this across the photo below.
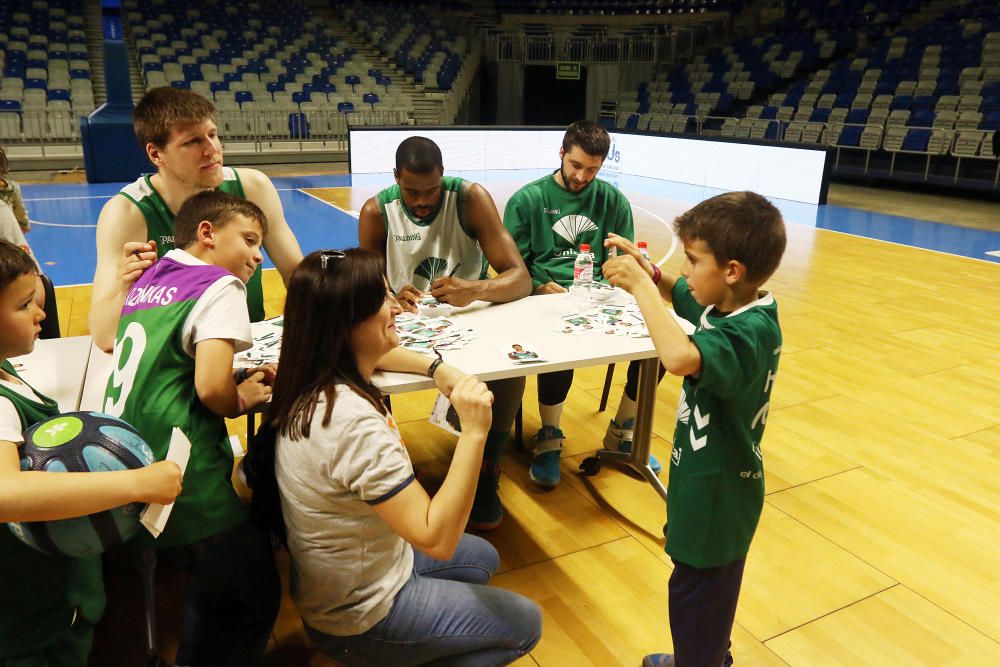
(551, 414)
(626, 410)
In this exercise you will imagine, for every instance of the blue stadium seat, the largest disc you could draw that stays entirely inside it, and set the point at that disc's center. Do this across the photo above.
(298, 125)
(243, 96)
(352, 80)
(921, 118)
(850, 136)
(370, 99)
(819, 116)
(917, 140)
(857, 116)
(901, 102)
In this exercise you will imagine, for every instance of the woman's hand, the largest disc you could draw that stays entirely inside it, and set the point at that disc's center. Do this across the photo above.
(446, 377)
(473, 403)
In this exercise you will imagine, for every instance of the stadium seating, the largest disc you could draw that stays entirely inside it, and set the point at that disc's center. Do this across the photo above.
(856, 76)
(45, 83)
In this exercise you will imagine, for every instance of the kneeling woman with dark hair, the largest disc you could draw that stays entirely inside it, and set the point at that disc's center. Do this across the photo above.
(353, 511)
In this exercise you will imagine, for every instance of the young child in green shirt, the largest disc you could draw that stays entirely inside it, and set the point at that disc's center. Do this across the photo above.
(732, 244)
(49, 603)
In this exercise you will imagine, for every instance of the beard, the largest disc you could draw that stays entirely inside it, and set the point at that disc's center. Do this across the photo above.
(567, 183)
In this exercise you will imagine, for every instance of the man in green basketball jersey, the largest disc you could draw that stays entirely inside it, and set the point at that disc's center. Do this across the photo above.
(177, 129)
(437, 234)
(549, 219)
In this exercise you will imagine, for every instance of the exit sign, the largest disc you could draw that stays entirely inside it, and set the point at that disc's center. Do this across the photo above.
(567, 70)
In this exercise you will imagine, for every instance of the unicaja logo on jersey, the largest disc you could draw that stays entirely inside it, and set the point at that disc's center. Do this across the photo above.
(572, 227)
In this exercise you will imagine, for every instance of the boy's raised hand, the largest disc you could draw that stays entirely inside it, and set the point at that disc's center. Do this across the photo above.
(627, 248)
(159, 482)
(135, 259)
(254, 391)
(270, 371)
(625, 272)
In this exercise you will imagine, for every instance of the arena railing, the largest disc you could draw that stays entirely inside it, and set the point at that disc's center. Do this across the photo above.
(981, 150)
(297, 129)
(946, 137)
(48, 133)
(677, 45)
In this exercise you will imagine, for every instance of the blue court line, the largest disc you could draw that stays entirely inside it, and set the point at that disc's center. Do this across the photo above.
(67, 251)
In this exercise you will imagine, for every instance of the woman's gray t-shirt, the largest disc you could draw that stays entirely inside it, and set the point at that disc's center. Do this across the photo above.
(347, 564)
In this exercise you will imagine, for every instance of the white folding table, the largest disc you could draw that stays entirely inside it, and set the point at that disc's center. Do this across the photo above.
(57, 368)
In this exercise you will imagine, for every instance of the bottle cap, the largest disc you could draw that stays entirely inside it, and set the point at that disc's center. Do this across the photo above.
(642, 244)
(584, 247)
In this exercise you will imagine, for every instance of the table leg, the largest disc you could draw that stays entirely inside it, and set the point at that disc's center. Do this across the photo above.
(645, 403)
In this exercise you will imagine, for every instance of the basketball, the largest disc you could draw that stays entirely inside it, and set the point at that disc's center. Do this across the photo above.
(82, 442)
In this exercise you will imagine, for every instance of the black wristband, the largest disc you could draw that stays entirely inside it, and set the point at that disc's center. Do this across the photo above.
(433, 367)
(241, 375)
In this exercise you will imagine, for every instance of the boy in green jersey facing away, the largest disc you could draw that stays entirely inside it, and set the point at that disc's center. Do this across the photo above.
(181, 324)
(49, 602)
(732, 243)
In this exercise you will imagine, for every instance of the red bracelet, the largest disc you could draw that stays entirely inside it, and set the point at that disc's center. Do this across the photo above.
(657, 274)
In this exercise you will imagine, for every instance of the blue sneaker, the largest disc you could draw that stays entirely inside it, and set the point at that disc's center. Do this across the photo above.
(618, 438)
(544, 469)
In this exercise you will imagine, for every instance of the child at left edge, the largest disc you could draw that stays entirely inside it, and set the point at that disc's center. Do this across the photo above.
(50, 603)
(182, 322)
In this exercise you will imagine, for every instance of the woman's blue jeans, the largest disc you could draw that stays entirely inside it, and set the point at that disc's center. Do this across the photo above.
(445, 615)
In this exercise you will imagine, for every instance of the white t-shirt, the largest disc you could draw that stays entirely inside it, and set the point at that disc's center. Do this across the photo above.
(10, 422)
(347, 564)
(221, 311)
(11, 231)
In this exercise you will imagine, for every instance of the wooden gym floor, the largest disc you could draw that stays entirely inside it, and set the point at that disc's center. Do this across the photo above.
(880, 537)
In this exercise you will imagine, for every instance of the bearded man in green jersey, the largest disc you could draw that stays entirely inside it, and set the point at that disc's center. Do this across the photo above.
(549, 219)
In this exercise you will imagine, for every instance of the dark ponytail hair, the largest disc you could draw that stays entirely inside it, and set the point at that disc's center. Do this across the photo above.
(330, 293)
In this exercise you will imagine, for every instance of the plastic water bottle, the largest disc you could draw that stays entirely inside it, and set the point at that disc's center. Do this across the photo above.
(583, 275)
(644, 251)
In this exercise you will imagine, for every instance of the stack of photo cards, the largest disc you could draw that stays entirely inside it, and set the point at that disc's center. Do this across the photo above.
(609, 320)
(424, 334)
(431, 307)
(444, 416)
(266, 344)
